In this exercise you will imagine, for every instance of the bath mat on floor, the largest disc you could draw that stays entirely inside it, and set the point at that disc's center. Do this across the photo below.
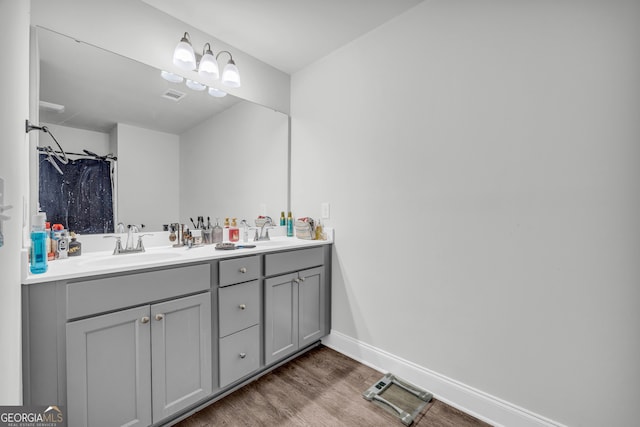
(398, 397)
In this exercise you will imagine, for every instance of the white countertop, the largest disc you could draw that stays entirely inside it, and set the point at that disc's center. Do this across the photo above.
(97, 263)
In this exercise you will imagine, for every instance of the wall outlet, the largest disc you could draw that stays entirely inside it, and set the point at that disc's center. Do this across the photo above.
(324, 209)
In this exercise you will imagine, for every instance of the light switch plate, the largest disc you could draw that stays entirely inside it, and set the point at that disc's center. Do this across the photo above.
(325, 210)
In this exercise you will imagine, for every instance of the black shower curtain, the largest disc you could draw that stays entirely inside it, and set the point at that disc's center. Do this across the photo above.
(81, 199)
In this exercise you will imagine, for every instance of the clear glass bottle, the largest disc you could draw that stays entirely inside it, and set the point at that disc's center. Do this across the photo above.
(38, 261)
(217, 232)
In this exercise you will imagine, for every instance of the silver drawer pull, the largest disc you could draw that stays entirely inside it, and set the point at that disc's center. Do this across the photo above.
(243, 270)
(243, 306)
(159, 316)
(145, 319)
(243, 355)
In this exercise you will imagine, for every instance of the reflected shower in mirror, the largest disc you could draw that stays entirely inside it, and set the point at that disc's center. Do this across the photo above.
(180, 153)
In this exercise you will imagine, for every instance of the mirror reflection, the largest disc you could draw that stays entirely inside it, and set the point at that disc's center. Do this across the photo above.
(180, 153)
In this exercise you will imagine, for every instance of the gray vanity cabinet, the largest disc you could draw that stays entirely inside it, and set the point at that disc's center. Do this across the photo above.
(295, 304)
(138, 366)
(180, 353)
(109, 370)
(239, 313)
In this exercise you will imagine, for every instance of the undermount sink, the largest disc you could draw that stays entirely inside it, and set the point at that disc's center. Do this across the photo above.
(129, 259)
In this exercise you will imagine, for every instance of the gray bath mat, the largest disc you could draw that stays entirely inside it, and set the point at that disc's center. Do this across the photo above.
(398, 397)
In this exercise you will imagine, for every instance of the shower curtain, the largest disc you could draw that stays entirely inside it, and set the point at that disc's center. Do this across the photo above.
(81, 199)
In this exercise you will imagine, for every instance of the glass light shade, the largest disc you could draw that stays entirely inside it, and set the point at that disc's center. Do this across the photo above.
(183, 56)
(195, 85)
(231, 75)
(209, 66)
(171, 77)
(217, 92)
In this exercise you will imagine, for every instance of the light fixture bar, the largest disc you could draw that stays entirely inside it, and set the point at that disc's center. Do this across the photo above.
(56, 108)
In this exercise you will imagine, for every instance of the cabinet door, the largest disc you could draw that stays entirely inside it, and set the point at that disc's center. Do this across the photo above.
(311, 311)
(109, 370)
(239, 355)
(181, 353)
(280, 317)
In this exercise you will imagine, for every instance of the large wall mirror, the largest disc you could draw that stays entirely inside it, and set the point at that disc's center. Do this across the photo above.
(180, 153)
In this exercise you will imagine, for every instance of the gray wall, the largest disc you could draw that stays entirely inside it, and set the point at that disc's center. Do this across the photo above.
(14, 21)
(148, 176)
(234, 163)
(482, 164)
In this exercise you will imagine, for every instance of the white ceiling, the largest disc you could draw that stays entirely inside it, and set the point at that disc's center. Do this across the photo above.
(287, 34)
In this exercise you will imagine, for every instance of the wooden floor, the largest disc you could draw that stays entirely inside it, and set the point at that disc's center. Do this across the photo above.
(320, 388)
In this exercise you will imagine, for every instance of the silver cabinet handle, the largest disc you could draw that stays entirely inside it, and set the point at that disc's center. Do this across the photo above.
(243, 306)
(243, 355)
(159, 316)
(296, 280)
(145, 319)
(302, 279)
(243, 270)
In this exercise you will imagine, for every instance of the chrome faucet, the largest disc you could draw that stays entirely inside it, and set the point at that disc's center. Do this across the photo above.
(267, 221)
(128, 249)
(132, 229)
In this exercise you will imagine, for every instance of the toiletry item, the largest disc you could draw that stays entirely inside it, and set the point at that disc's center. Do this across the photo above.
(290, 225)
(217, 232)
(226, 222)
(56, 233)
(51, 254)
(245, 230)
(206, 236)
(38, 261)
(196, 237)
(75, 247)
(234, 232)
(318, 231)
(283, 220)
(63, 245)
(172, 234)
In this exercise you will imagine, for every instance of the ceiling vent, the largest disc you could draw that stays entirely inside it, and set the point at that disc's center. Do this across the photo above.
(173, 95)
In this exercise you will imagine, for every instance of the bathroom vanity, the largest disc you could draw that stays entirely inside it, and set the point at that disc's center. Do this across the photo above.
(120, 342)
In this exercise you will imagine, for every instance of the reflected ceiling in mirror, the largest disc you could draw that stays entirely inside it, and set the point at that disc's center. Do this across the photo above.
(99, 89)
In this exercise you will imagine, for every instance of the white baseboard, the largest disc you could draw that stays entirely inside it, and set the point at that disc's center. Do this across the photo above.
(474, 402)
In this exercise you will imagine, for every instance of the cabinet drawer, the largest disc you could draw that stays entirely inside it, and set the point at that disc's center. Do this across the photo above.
(239, 307)
(239, 270)
(111, 293)
(239, 355)
(284, 262)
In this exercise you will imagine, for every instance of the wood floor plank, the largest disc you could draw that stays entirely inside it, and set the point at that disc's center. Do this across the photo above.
(321, 388)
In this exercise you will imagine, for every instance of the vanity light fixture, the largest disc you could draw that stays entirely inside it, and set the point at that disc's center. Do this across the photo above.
(171, 77)
(208, 65)
(230, 74)
(217, 93)
(183, 55)
(185, 58)
(193, 85)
